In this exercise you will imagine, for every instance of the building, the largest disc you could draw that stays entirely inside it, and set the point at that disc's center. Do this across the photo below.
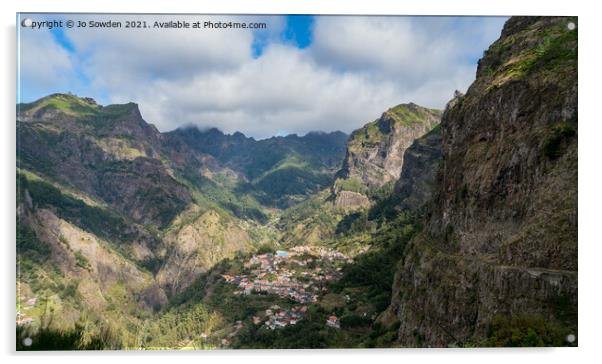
(333, 322)
(24, 321)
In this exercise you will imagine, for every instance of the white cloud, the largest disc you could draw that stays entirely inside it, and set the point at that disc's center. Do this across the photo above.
(412, 51)
(43, 63)
(356, 68)
(282, 90)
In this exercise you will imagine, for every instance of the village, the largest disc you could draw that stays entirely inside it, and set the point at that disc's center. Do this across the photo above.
(22, 318)
(299, 275)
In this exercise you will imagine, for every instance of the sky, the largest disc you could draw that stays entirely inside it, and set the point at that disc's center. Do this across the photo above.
(300, 74)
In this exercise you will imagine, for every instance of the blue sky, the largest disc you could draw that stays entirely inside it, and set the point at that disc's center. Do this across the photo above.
(302, 73)
(297, 32)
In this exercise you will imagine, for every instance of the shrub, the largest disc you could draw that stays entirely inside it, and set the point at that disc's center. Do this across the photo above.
(526, 331)
(81, 261)
(553, 144)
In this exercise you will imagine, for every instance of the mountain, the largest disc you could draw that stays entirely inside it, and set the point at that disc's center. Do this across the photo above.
(373, 161)
(375, 152)
(279, 171)
(110, 153)
(105, 212)
(496, 261)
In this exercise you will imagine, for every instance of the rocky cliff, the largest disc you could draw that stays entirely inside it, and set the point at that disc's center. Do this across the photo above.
(499, 247)
(375, 152)
(421, 162)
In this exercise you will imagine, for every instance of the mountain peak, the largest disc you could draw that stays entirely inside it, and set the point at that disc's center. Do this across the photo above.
(59, 103)
(411, 113)
(375, 151)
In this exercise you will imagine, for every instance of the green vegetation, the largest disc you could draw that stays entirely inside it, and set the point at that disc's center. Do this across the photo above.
(74, 339)
(309, 333)
(554, 55)
(352, 184)
(370, 134)
(279, 187)
(310, 221)
(376, 131)
(374, 270)
(410, 115)
(81, 261)
(225, 196)
(526, 331)
(116, 110)
(100, 221)
(555, 50)
(184, 326)
(67, 103)
(29, 245)
(558, 138)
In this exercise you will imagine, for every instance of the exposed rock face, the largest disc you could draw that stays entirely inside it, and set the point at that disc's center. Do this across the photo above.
(421, 162)
(500, 234)
(375, 152)
(349, 200)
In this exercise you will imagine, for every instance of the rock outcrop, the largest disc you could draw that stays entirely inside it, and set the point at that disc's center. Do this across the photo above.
(375, 151)
(500, 235)
(349, 201)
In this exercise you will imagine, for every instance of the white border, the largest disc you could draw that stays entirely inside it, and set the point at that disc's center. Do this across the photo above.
(590, 202)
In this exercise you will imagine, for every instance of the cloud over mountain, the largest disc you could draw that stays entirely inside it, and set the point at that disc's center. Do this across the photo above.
(351, 70)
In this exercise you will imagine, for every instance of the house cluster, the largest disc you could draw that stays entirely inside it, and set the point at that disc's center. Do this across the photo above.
(277, 318)
(23, 319)
(298, 274)
(278, 273)
(321, 252)
(282, 285)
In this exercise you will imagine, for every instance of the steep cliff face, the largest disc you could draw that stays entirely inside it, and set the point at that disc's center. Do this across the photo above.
(375, 151)
(500, 236)
(421, 162)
